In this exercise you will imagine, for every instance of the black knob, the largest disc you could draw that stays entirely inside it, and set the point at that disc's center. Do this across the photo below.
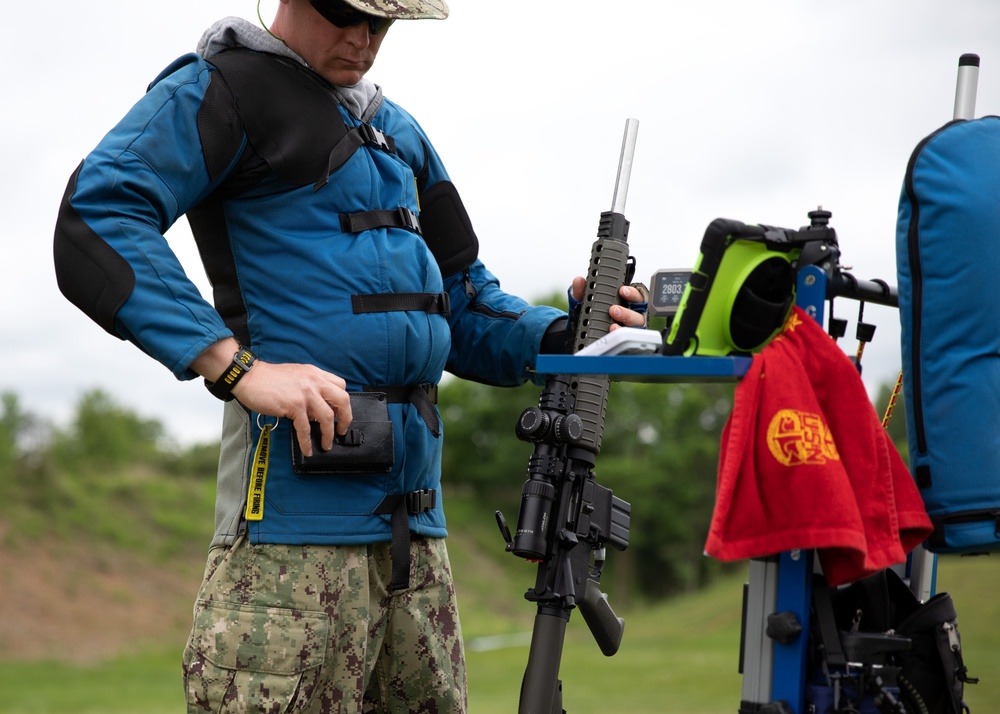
(568, 429)
(532, 425)
(819, 217)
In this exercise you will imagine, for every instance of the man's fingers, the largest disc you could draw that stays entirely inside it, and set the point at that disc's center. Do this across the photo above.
(303, 434)
(630, 293)
(337, 403)
(301, 393)
(326, 421)
(628, 318)
(334, 416)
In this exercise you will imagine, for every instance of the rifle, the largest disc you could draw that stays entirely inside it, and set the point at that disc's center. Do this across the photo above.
(566, 518)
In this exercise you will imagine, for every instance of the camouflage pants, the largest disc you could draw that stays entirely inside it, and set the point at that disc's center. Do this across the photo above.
(314, 629)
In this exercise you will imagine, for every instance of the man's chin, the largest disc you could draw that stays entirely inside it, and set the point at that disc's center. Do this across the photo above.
(344, 76)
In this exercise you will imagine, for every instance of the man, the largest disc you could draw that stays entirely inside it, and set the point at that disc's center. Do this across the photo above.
(346, 279)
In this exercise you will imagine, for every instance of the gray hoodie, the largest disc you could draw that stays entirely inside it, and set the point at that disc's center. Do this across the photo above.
(362, 100)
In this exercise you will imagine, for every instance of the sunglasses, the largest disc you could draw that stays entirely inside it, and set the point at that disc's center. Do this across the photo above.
(342, 15)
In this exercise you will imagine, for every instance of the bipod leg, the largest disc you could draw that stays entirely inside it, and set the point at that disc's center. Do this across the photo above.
(541, 690)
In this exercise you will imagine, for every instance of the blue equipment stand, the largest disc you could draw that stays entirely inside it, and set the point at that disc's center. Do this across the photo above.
(778, 594)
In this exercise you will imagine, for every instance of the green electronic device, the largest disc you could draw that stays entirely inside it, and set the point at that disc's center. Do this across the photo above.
(740, 292)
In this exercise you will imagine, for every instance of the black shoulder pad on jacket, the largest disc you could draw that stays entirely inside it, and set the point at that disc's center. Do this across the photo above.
(447, 228)
(89, 272)
(288, 112)
(219, 126)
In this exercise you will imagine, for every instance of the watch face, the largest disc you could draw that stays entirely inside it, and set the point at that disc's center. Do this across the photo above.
(667, 288)
(244, 358)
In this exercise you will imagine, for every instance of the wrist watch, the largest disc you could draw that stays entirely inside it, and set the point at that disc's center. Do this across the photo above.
(222, 388)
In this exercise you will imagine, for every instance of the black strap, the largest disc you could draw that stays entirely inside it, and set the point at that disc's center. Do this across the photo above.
(402, 393)
(827, 623)
(380, 218)
(937, 539)
(400, 506)
(422, 396)
(356, 137)
(432, 303)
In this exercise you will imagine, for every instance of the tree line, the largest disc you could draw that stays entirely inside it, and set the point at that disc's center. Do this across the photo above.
(116, 474)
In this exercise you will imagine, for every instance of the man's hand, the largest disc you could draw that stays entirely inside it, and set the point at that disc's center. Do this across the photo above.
(622, 316)
(300, 392)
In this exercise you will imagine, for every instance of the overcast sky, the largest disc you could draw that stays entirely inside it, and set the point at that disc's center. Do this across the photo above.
(748, 109)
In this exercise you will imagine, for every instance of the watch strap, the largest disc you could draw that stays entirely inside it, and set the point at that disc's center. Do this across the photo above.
(222, 388)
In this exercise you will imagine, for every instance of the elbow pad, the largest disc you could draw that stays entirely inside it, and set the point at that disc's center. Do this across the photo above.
(89, 272)
(447, 229)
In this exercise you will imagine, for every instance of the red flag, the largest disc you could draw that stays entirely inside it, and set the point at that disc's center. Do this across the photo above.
(805, 463)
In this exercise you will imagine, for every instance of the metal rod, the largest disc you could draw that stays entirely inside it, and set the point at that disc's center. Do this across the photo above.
(965, 90)
(843, 284)
(625, 166)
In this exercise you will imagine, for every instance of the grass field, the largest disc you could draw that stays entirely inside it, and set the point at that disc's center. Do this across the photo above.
(679, 657)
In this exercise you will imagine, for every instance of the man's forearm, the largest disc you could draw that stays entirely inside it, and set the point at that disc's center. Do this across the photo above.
(213, 362)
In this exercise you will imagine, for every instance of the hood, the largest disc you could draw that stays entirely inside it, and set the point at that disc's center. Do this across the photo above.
(362, 100)
(232, 32)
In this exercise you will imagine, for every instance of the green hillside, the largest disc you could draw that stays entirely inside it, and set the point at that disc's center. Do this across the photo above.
(101, 563)
(677, 656)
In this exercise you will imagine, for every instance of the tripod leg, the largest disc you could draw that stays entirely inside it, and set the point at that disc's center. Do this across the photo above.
(758, 650)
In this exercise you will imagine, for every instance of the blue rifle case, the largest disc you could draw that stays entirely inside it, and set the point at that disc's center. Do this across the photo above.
(948, 266)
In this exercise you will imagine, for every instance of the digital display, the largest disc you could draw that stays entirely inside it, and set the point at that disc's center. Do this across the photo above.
(666, 290)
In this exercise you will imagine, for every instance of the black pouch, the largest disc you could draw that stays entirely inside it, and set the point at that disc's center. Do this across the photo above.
(935, 667)
(880, 628)
(367, 447)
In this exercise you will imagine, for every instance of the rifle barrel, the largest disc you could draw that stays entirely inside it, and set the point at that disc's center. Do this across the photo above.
(625, 166)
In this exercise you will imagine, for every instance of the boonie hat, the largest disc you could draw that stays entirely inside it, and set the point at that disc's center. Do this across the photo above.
(402, 9)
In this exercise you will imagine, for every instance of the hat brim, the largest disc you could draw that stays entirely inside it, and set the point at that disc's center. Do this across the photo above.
(403, 9)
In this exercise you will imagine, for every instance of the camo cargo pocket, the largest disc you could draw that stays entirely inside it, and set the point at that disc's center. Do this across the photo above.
(253, 658)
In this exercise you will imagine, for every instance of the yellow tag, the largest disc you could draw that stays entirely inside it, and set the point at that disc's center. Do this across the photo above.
(258, 477)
